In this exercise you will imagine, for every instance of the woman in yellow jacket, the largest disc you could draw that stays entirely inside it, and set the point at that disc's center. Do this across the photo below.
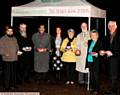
(68, 48)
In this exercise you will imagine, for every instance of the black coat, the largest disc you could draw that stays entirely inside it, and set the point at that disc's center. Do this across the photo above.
(98, 46)
(114, 47)
(23, 42)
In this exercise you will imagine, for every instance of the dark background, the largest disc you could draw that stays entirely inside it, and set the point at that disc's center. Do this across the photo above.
(5, 9)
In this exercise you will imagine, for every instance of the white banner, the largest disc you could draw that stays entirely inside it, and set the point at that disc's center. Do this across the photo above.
(52, 11)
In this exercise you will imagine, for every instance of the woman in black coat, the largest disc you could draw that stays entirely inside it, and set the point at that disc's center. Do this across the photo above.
(93, 60)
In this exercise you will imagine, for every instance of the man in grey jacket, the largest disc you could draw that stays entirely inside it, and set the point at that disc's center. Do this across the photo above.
(41, 41)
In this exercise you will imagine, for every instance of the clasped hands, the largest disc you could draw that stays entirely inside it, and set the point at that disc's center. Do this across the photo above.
(93, 53)
(41, 49)
(27, 48)
(103, 52)
(68, 48)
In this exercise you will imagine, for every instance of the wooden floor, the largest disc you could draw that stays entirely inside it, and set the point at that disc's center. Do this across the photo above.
(53, 87)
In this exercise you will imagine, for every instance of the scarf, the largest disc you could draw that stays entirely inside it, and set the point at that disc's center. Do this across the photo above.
(70, 40)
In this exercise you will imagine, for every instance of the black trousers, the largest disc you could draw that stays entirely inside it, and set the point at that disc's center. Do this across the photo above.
(24, 67)
(9, 73)
(70, 70)
(113, 73)
(94, 76)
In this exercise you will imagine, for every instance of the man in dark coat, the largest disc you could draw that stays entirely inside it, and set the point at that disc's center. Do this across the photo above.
(25, 60)
(112, 46)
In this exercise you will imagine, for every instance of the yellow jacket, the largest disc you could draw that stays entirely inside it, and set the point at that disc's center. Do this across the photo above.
(68, 55)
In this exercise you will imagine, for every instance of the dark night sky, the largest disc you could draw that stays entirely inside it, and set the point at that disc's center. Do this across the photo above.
(6, 8)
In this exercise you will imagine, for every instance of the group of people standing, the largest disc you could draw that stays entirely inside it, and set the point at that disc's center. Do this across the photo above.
(93, 49)
(72, 53)
(16, 56)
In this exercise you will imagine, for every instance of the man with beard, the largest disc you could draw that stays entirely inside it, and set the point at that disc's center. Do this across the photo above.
(82, 40)
(9, 52)
(24, 60)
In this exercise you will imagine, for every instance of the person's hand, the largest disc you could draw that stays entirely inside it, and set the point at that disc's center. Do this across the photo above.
(94, 53)
(19, 53)
(41, 50)
(44, 49)
(7, 55)
(66, 49)
(27, 48)
(102, 52)
(109, 53)
(24, 49)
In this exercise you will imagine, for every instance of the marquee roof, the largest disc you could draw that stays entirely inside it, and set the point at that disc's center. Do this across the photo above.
(66, 8)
